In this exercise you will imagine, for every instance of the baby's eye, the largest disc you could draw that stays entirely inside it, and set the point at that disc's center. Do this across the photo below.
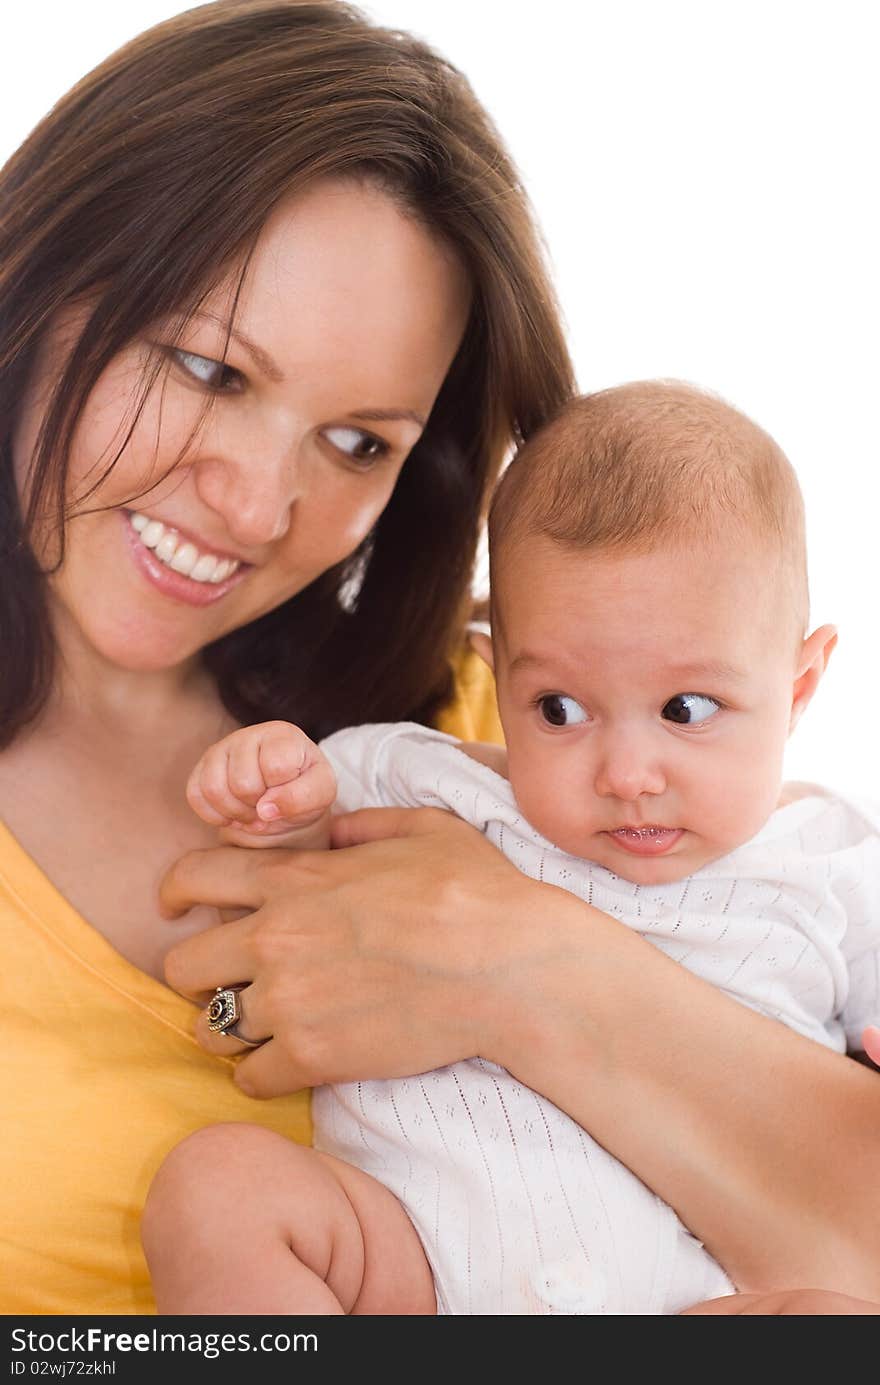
(215, 375)
(558, 710)
(363, 448)
(688, 709)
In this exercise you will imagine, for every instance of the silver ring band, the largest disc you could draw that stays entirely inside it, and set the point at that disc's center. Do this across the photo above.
(232, 1032)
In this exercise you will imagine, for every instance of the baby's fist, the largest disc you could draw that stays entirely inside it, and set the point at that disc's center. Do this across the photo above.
(261, 783)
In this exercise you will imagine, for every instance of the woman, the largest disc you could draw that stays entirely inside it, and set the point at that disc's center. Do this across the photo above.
(242, 263)
(272, 313)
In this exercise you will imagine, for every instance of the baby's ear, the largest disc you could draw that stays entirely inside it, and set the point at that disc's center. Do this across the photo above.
(813, 661)
(482, 644)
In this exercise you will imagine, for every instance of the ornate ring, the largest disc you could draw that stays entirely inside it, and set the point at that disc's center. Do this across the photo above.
(224, 1012)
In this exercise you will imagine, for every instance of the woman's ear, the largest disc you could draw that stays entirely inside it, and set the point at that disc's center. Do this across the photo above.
(812, 664)
(482, 643)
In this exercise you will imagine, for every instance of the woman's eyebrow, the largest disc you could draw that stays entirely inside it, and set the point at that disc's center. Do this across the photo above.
(389, 416)
(260, 357)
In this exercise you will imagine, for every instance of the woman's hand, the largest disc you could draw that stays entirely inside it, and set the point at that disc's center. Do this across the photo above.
(374, 961)
(785, 1302)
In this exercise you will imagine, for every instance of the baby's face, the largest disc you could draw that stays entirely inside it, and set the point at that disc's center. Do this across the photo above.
(646, 702)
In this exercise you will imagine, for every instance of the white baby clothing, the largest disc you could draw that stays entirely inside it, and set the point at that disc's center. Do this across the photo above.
(518, 1209)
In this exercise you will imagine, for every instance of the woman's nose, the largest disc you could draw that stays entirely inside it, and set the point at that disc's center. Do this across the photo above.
(253, 486)
(627, 769)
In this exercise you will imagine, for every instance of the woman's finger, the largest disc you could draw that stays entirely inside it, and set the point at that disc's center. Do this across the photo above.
(250, 1028)
(378, 824)
(221, 956)
(227, 877)
(270, 1071)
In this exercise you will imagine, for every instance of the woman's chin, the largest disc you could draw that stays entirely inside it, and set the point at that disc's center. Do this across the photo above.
(139, 654)
(127, 647)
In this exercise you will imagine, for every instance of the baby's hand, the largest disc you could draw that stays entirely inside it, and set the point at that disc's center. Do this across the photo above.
(264, 783)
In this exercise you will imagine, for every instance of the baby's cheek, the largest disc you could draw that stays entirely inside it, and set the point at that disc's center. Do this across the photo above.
(737, 802)
(554, 803)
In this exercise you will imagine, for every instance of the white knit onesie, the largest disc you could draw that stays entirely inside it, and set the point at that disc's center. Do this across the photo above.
(518, 1209)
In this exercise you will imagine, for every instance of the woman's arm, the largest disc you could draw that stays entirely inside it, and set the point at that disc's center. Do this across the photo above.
(766, 1143)
(800, 1303)
(423, 944)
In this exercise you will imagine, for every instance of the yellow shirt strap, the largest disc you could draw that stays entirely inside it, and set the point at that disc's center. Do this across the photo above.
(472, 715)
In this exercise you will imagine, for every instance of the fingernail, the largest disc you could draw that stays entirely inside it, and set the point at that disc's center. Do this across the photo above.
(268, 811)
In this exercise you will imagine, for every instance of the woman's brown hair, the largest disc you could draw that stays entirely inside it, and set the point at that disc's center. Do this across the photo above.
(158, 171)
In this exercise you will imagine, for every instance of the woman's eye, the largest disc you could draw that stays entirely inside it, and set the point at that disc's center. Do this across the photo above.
(215, 375)
(561, 711)
(688, 709)
(361, 447)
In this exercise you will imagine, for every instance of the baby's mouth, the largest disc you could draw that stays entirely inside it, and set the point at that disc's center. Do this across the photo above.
(641, 833)
(646, 841)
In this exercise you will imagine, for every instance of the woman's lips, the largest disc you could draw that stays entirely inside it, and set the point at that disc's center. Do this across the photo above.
(646, 841)
(171, 583)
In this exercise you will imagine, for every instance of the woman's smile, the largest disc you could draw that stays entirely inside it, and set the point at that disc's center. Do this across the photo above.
(176, 566)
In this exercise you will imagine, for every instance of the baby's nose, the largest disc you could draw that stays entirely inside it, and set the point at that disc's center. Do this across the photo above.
(625, 774)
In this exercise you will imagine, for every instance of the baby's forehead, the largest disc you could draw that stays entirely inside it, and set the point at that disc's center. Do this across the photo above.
(715, 604)
(536, 565)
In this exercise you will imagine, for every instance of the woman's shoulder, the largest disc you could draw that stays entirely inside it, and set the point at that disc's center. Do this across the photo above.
(472, 712)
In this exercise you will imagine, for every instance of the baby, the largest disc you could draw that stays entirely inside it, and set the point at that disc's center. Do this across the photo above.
(649, 618)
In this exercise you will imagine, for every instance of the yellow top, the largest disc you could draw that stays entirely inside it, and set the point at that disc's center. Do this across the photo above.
(102, 1076)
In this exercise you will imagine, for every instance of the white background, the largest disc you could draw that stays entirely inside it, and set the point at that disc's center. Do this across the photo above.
(704, 172)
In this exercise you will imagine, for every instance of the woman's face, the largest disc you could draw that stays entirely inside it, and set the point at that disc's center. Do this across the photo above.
(348, 321)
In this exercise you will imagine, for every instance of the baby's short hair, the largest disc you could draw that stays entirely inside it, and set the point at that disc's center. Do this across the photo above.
(654, 464)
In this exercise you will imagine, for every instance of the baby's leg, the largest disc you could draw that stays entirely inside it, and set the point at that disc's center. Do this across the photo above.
(240, 1220)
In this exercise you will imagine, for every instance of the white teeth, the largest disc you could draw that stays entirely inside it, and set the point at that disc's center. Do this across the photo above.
(185, 559)
(205, 568)
(179, 554)
(166, 547)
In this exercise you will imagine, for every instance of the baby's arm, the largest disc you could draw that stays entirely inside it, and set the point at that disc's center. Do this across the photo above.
(265, 785)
